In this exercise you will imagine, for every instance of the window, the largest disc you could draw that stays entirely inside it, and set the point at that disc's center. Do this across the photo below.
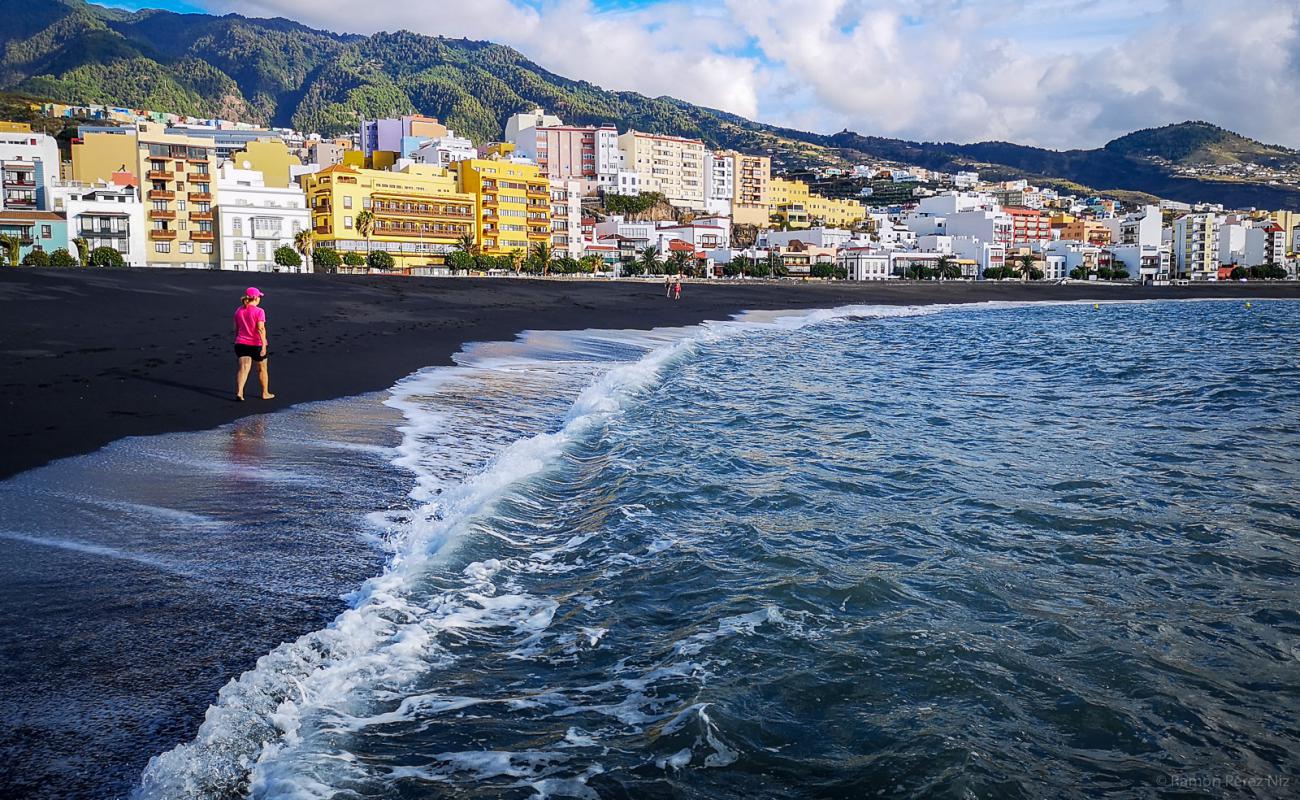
(187, 247)
(180, 205)
(45, 232)
(182, 226)
(261, 250)
(160, 205)
(162, 247)
(237, 226)
(239, 249)
(347, 222)
(347, 201)
(206, 248)
(365, 202)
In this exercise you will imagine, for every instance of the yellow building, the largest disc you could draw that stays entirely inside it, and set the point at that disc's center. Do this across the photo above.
(177, 177)
(1086, 230)
(514, 203)
(670, 165)
(751, 177)
(14, 127)
(792, 201)
(418, 214)
(271, 158)
(1288, 221)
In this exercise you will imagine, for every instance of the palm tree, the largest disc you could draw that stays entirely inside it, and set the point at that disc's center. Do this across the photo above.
(591, 263)
(1026, 267)
(365, 224)
(516, 257)
(542, 257)
(10, 248)
(467, 244)
(304, 244)
(943, 268)
(650, 261)
(679, 261)
(83, 250)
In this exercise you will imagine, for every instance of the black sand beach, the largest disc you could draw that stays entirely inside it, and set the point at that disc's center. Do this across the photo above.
(95, 355)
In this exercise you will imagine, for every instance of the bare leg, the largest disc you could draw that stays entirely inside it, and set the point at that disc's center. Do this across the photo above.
(265, 377)
(245, 365)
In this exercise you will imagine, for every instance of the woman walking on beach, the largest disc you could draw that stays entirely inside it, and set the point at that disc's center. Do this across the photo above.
(250, 342)
(677, 288)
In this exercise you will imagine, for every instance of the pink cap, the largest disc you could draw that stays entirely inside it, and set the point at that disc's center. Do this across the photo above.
(253, 291)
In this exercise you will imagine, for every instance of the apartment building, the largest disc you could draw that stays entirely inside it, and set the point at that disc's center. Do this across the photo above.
(792, 201)
(750, 201)
(569, 152)
(255, 219)
(1196, 247)
(566, 217)
(29, 165)
(1028, 225)
(176, 174)
(105, 215)
(720, 183)
(670, 165)
(400, 136)
(1265, 244)
(513, 203)
(419, 214)
(1086, 230)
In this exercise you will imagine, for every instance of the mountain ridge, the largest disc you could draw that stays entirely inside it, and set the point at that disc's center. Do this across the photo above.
(281, 72)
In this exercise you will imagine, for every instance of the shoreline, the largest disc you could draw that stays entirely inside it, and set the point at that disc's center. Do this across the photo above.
(93, 356)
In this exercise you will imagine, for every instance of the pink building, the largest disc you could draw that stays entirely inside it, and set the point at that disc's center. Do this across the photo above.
(570, 152)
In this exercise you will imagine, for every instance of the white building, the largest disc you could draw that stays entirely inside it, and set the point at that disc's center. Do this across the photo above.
(1265, 244)
(986, 255)
(719, 170)
(566, 218)
(955, 202)
(254, 219)
(864, 262)
(537, 118)
(29, 165)
(993, 227)
(1232, 243)
(1142, 227)
(934, 243)
(105, 215)
(1144, 264)
(817, 237)
(444, 150)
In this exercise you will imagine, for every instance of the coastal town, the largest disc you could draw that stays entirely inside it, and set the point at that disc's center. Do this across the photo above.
(407, 195)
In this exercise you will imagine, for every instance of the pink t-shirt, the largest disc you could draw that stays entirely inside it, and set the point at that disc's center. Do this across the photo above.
(246, 319)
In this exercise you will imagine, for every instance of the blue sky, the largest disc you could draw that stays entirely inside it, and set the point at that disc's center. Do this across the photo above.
(1057, 73)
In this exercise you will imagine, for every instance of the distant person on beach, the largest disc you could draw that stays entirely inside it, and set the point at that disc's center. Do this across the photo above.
(668, 285)
(250, 342)
(677, 288)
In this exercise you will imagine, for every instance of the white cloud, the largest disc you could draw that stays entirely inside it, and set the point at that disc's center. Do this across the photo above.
(1059, 73)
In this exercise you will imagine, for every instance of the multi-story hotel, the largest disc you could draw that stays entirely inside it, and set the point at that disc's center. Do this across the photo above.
(670, 165)
(29, 164)
(1028, 225)
(419, 216)
(513, 202)
(176, 174)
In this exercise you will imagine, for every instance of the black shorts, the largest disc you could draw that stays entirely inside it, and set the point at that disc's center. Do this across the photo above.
(253, 351)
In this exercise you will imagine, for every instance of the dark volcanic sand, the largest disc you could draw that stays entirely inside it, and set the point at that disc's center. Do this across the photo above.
(91, 356)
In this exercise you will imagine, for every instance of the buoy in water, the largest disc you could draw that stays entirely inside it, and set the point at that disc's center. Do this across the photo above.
(1247, 305)
(1096, 306)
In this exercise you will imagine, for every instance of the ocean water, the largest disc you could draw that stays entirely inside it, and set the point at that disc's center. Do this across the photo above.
(1001, 551)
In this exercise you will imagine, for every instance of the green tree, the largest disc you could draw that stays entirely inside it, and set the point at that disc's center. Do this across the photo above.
(649, 262)
(591, 263)
(632, 266)
(354, 259)
(460, 261)
(679, 263)
(776, 265)
(540, 259)
(1026, 268)
(286, 256)
(947, 268)
(1080, 273)
(1119, 273)
(467, 244)
(105, 257)
(1105, 273)
(62, 258)
(304, 244)
(514, 259)
(83, 250)
(379, 259)
(10, 248)
(36, 258)
(1239, 273)
(822, 270)
(326, 260)
(365, 224)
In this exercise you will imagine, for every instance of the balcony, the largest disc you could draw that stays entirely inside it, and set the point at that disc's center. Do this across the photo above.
(490, 202)
(201, 236)
(200, 197)
(160, 194)
(160, 175)
(18, 203)
(203, 159)
(161, 213)
(19, 183)
(538, 192)
(162, 234)
(201, 216)
(103, 233)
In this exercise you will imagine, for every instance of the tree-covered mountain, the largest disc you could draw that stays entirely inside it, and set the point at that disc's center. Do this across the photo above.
(276, 71)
